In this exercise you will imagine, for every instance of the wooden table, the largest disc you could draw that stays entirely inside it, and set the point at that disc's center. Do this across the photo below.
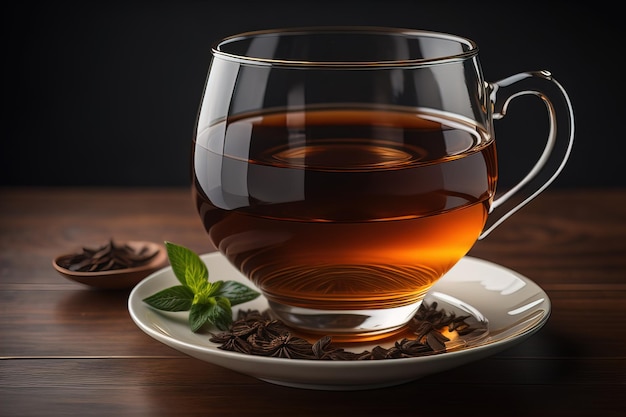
(68, 350)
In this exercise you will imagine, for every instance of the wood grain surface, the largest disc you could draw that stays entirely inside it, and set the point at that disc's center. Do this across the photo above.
(69, 350)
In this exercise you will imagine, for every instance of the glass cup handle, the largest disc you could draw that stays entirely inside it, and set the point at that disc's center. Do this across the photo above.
(557, 148)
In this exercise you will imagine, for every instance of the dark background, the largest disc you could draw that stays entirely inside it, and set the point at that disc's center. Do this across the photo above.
(106, 93)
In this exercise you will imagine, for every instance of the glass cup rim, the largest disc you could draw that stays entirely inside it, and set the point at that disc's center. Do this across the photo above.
(218, 48)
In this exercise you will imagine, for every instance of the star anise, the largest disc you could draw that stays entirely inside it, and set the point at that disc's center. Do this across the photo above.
(409, 348)
(229, 341)
(283, 346)
(257, 333)
(324, 349)
(246, 328)
(260, 324)
(429, 322)
(108, 257)
(377, 353)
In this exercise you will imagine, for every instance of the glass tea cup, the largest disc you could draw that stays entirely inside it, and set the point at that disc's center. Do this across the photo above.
(344, 170)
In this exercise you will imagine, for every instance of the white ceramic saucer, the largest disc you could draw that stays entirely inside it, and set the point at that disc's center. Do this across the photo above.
(512, 306)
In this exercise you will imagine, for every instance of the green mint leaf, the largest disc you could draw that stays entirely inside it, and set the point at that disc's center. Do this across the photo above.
(236, 292)
(205, 292)
(198, 316)
(222, 313)
(177, 298)
(187, 265)
(207, 303)
(215, 288)
(196, 278)
(217, 312)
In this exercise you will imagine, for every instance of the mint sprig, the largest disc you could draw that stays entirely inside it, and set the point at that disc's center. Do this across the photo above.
(208, 302)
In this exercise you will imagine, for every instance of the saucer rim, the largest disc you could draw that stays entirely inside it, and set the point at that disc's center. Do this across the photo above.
(209, 351)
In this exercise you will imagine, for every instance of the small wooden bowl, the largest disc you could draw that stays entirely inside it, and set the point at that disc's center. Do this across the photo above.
(117, 278)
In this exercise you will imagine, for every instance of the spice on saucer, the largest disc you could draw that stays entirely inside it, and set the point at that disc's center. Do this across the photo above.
(110, 256)
(256, 333)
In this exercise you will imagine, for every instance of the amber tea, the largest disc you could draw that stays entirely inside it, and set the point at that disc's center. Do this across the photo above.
(344, 209)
